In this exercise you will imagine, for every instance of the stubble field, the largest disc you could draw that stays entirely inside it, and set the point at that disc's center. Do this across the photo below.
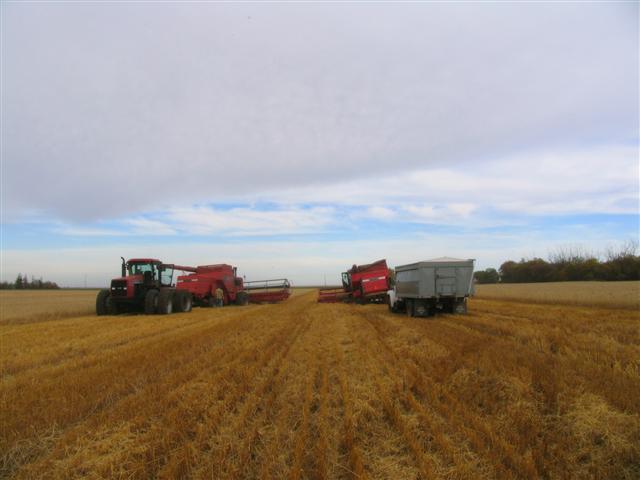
(322, 391)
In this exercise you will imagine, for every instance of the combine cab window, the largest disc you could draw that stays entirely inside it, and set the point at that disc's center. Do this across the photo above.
(346, 280)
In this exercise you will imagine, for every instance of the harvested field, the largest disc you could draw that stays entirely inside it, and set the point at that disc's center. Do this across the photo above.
(601, 294)
(324, 391)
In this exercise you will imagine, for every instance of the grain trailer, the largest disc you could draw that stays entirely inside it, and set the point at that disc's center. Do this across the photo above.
(424, 288)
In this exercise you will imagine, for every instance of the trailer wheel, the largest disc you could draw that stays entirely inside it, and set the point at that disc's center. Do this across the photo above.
(165, 302)
(242, 299)
(460, 307)
(151, 302)
(409, 307)
(420, 309)
(101, 302)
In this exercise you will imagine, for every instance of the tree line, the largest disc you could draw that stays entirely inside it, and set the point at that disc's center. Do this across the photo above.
(22, 283)
(568, 264)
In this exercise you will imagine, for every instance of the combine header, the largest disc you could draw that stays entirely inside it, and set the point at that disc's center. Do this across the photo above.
(362, 284)
(268, 291)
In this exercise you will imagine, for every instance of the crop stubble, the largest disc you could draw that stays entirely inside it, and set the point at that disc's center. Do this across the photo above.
(306, 390)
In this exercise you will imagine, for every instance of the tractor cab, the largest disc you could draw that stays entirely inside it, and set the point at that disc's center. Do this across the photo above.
(151, 271)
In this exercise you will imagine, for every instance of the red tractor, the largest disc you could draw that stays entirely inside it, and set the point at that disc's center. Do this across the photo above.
(145, 285)
(362, 284)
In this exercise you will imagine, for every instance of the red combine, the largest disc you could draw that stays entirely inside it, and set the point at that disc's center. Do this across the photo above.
(204, 280)
(362, 284)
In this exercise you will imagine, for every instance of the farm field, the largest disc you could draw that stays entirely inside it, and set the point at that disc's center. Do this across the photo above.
(322, 391)
(25, 306)
(602, 294)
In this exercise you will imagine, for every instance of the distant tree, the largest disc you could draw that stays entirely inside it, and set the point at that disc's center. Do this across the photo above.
(18, 282)
(490, 275)
(574, 264)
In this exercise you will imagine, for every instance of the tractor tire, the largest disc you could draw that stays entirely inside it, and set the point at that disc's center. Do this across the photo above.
(151, 302)
(101, 302)
(182, 301)
(112, 307)
(242, 299)
(165, 302)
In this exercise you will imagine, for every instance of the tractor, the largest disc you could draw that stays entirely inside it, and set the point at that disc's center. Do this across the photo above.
(144, 286)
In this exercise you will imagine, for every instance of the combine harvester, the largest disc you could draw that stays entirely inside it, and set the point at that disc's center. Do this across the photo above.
(205, 279)
(361, 284)
(146, 286)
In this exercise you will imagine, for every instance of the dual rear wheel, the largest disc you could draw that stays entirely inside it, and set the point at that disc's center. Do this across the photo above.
(167, 301)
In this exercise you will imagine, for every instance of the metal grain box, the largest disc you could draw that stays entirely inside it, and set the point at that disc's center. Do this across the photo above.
(422, 288)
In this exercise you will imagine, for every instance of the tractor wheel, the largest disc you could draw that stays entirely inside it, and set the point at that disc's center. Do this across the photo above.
(242, 299)
(182, 301)
(165, 302)
(101, 302)
(112, 307)
(151, 302)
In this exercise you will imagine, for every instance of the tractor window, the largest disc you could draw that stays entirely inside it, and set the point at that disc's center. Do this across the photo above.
(166, 276)
(140, 268)
(346, 280)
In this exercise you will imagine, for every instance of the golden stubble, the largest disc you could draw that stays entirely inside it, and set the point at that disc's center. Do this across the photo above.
(305, 390)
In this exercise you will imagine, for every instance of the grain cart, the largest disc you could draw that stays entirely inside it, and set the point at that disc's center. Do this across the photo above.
(363, 284)
(424, 288)
(145, 285)
(202, 283)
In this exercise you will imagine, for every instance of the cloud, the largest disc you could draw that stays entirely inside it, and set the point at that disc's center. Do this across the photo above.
(595, 180)
(145, 226)
(202, 220)
(193, 104)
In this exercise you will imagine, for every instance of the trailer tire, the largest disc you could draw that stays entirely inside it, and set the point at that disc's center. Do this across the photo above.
(151, 302)
(421, 309)
(165, 302)
(182, 301)
(409, 307)
(460, 307)
(242, 299)
(101, 302)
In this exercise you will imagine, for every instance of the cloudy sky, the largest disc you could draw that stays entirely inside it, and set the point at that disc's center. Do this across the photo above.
(297, 139)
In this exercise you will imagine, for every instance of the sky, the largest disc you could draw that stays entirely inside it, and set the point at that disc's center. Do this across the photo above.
(294, 140)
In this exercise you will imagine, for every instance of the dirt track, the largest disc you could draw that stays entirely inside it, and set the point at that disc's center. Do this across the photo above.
(306, 390)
